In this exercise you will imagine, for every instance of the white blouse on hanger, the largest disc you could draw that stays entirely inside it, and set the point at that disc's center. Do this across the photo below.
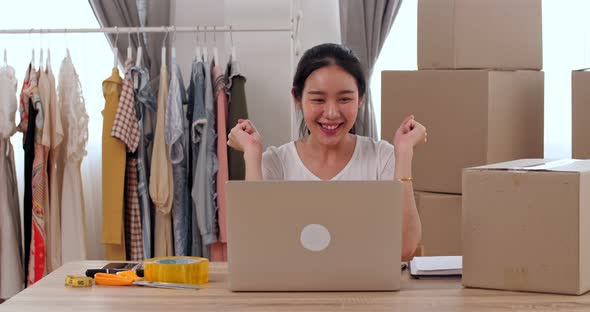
(9, 104)
(75, 125)
(11, 267)
(52, 138)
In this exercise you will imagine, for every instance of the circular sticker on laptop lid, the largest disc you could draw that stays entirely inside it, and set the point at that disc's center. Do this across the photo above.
(315, 237)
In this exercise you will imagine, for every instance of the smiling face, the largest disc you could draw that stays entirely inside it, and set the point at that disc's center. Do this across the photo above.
(330, 102)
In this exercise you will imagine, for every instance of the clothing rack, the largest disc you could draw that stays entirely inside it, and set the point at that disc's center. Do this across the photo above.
(293, 29)
(160, 29)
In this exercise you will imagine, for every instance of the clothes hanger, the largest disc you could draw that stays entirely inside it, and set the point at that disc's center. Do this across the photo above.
(215, 52)
(197, 47)
(174, 44)
(40, 59)
(115, 49)
(137, 62)
(66, 41)
(40, 53)
(139, 51)
(205, 46)
(233, 48)
(68, 48)
(164, 49)
(48, 60)
(297, 33)
(129, 49)
(33, 51)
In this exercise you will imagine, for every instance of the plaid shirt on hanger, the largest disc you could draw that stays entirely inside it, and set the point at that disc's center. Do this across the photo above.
(133, 230)
(126, 128)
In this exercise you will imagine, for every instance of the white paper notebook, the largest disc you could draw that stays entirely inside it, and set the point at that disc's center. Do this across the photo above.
(436, 266)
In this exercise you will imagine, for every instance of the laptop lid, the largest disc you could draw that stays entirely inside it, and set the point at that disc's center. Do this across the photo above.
(314, 235)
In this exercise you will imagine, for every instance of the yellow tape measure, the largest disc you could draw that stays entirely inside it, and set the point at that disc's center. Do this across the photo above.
(78, 281)
(181, 270)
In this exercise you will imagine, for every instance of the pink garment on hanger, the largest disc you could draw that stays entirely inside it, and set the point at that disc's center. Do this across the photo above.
(219, 249)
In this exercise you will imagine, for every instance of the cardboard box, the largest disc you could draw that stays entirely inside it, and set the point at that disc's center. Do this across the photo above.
(526, 226)
(440, 215)
(581, 114)
(473, 118)
(493, 34)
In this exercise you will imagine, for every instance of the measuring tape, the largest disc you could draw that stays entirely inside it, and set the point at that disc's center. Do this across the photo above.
(78, 281)
(181, 270)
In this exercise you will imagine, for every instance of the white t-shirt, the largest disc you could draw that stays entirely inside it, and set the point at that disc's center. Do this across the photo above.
(371, 160)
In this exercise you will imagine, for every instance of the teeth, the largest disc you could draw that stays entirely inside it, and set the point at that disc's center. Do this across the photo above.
(330, 127)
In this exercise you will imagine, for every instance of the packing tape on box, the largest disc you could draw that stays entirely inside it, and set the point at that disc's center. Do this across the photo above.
(78, 281)
(182, 270)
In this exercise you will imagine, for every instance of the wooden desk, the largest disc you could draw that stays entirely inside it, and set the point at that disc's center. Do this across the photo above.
(50, 294)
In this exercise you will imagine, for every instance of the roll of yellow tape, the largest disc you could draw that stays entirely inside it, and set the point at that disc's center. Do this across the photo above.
(78, 281)
(182, 270)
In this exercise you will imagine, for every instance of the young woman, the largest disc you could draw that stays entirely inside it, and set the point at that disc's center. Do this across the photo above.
(329, 88)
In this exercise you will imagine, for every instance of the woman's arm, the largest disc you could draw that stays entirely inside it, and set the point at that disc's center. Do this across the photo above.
(245, 138)
(411, 226)
(253, 162)
(409, 134)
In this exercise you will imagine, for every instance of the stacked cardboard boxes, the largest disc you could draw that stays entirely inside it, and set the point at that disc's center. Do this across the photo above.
(479, 91)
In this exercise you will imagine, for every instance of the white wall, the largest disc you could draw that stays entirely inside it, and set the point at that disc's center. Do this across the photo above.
(265, 58)
(191, 13)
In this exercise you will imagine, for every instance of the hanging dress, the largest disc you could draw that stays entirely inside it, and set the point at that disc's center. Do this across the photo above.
(219, 249)
(55, 170)
(27, 112)
(75, 121)
(161, 183)
(11, 253)
(126, 129)
(113, 173)
(37, 257)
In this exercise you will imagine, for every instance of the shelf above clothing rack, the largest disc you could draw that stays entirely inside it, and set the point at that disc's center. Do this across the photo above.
(160, 29)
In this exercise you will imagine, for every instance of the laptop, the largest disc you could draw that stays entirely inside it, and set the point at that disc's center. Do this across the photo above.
(314, 235)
